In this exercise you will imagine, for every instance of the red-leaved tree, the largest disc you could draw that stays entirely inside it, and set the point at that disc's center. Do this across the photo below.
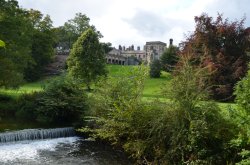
(222, 47)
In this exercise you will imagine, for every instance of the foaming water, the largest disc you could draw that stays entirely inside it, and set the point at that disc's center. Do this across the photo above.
(29, 151)
(60, 151)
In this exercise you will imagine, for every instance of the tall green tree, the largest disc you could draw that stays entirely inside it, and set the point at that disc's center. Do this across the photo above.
(15, 31)
(43, 40)
(86, 60)
(222, 46)
(72, 29)
(169, 58)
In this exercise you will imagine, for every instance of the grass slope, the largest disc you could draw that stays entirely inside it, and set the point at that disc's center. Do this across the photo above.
(152, 89)
(26, 88)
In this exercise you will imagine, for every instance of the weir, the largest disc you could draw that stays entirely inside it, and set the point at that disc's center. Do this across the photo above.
(35, 134)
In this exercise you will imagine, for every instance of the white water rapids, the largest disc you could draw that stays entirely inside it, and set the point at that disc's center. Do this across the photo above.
(29, 151)
(73, 150)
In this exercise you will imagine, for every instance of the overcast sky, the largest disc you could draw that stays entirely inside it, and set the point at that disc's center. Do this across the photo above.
(128, 22)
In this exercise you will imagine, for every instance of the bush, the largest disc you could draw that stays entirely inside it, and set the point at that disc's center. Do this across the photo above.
(187, 130)
(194, 131)
(61, 102)
(242, 117)
(7, 106)
(155, 69)
(28, 103)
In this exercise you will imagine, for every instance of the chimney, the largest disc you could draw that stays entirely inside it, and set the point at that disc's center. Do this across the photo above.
(132, 47)
(138, 48)
(120, 47)
(171, 42)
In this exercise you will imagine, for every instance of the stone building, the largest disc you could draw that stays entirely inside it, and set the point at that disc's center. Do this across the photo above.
(154, 50)
(126, 56)
(115, 57)
(130, 56)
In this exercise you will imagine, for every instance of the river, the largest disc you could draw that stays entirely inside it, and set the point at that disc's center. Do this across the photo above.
(60, 151)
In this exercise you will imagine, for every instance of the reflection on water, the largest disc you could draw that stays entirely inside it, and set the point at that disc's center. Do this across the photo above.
(60, 151)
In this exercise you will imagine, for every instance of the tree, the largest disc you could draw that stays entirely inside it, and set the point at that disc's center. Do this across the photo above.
(222, 46)
(86, 60)
(43, 40)
(169, 58)
(155, 69)
(15, 31)
(72, 29)
(107, 47)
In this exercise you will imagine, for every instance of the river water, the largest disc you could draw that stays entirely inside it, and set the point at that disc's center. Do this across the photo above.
(60, 151)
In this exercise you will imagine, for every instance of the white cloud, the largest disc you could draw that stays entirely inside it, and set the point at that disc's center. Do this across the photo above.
(137, 21)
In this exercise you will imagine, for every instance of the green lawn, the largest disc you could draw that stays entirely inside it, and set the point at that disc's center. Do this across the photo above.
(152, 85)
(151, 91)
(26, 88)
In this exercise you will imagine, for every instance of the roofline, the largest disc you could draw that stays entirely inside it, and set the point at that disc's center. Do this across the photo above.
(156, 42)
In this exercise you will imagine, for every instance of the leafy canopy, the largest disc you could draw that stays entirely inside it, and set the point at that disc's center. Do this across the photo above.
(221, 45)
(169, 58)
(86, 61)
(2, 44)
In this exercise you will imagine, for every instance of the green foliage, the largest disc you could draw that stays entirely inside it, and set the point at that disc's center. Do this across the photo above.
(155, 69)
(15, 31)
(189, 85)
(220, 45)
(2, 44)
(72, 30)
(169, 58)
(9, 76)
(187, 130)
(27, 105)
(107, 47)
(62, 102)
(242, 116)
(7, 106)
(86, 60)
(42, 50)
(30, 42)
(243, 94)
(115, 103)
(196, 132)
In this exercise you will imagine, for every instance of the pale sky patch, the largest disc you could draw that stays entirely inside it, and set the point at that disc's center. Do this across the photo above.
(138, 21)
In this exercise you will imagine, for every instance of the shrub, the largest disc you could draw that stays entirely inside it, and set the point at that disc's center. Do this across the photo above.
(155, 69)
(194, 131)
(7, 106)
(242, 117)
(28, 103)
(61, 102)
(186, 130)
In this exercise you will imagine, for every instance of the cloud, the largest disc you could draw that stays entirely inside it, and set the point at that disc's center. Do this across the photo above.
(233, 9)
(148, 24)
(135, 22)
(63, 10)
